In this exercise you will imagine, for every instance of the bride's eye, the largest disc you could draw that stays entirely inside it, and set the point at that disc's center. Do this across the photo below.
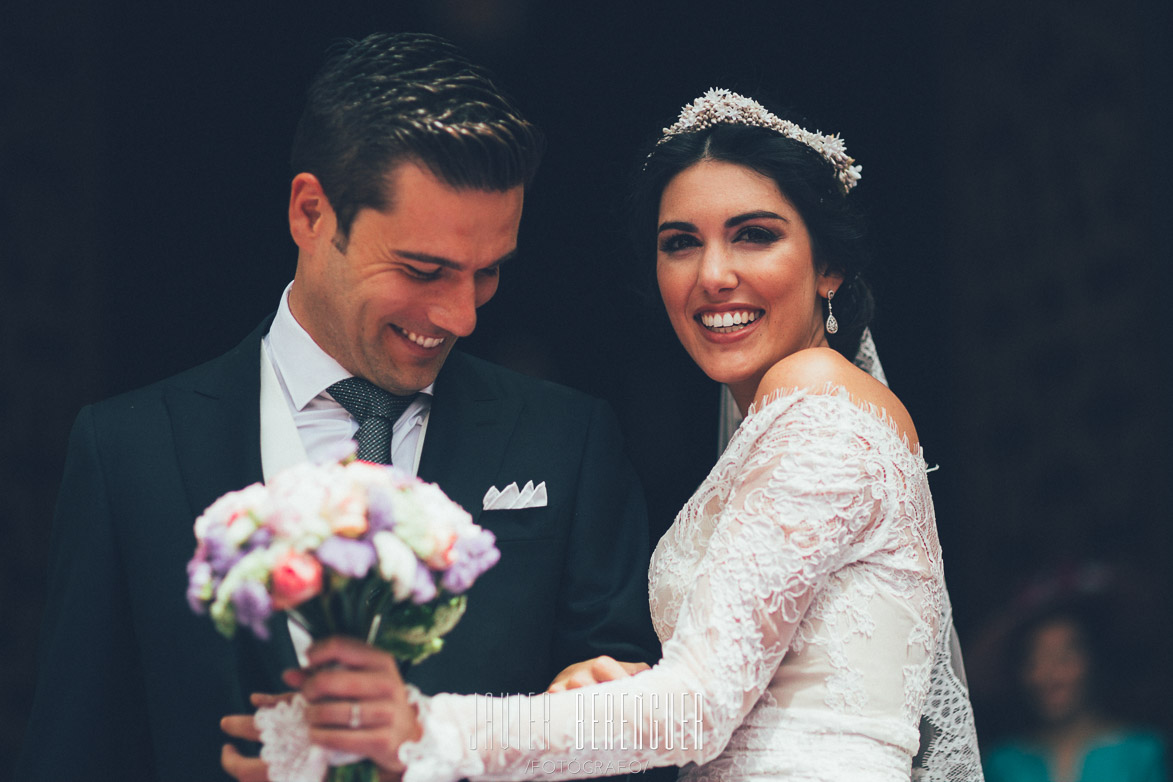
(675, 242)
(755, 234)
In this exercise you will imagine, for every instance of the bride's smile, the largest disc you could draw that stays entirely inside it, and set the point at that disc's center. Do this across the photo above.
(724, 321)
(737, 273)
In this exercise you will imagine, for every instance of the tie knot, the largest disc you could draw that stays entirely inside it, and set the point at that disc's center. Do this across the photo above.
(363, 399)
(375, 410)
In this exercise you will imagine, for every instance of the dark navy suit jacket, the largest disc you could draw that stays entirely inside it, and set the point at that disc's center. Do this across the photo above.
(132, 684)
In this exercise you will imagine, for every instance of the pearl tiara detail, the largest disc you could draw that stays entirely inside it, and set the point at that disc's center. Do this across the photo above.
(722, 107)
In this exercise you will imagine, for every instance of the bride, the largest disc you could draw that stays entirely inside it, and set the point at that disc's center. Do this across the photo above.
(799, 595)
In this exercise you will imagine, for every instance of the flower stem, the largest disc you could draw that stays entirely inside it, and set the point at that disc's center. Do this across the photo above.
(363, 771)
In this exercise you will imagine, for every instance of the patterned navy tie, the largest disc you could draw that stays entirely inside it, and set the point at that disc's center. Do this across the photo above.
(375, 410)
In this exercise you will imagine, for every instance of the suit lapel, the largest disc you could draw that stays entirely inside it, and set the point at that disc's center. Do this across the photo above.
(216, 425)
(468, 431)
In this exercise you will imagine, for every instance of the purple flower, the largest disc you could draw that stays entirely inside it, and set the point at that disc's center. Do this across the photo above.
(253, 607)
(221, 554)
(350, 558)
(380, 510)
(199, 575)
(259, 539)
(424, 588)
(471, 556)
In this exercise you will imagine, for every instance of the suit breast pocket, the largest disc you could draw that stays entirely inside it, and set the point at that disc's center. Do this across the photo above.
(519, 524)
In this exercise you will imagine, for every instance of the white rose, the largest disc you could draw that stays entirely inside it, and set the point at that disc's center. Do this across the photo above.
(413, 524)
(397, 563)
(428, 521)
(232, 505)
(296, 510)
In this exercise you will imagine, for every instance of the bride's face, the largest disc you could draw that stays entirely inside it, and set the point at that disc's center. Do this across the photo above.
(736, 273)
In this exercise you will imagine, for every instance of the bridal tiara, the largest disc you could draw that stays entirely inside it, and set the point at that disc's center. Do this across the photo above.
(722, 107)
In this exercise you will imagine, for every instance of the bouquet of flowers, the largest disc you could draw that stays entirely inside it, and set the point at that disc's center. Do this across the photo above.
(351, 548)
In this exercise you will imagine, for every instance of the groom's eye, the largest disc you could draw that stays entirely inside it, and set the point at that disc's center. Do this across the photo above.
(422, 274)
(676, 242)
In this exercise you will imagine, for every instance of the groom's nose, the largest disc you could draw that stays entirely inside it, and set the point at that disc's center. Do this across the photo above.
(456, 310)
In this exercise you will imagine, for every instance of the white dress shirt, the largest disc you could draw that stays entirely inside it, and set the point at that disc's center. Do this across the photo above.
(303, 373)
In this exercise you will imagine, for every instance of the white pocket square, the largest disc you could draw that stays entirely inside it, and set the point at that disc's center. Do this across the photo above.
(512, 497)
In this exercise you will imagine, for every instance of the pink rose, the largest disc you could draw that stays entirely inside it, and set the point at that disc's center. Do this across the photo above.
(296, 578)
(348, 517)
(441, 556)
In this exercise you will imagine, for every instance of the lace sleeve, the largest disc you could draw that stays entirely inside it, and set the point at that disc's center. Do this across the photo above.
(794, 514)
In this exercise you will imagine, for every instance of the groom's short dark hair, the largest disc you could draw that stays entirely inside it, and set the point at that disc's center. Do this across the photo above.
(393, 98)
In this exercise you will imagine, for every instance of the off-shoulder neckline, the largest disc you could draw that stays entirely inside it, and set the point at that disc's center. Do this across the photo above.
(836, 391)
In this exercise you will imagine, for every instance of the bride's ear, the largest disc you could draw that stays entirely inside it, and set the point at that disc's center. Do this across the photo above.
(829, 281)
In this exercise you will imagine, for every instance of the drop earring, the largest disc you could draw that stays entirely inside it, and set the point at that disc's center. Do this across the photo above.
(832, 324)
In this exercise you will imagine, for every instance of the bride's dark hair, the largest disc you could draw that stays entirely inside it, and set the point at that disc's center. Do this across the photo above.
(803, 176)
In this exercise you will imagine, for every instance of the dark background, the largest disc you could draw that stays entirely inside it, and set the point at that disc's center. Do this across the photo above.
(1016, 175)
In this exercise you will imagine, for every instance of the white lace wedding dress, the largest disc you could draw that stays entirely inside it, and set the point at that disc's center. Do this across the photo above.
(807, 632)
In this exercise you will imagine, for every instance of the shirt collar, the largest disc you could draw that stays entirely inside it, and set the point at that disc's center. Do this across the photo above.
(302, 365)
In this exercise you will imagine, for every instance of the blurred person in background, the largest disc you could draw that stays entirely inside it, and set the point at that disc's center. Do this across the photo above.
(1065, 708)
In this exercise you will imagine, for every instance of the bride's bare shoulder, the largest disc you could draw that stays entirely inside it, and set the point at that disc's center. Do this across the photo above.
(824, 371)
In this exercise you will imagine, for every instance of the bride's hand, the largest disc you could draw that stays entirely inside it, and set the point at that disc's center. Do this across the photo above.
(240, 726)
(357, 701)
(600, 669)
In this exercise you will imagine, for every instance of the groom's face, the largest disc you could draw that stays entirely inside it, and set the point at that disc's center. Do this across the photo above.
(390, 308)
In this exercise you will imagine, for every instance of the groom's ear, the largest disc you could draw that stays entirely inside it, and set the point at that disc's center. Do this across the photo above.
(311, 218)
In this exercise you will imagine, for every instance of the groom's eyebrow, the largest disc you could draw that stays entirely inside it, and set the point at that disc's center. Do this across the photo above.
(447, 263)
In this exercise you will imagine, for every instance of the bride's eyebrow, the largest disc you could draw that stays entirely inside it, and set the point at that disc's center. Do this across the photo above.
(759, 214)
(679, 225)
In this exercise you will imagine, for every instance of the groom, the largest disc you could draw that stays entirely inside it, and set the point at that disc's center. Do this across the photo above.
(410, 175)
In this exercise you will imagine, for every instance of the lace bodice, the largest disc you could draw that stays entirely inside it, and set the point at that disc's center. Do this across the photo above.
(806, 630)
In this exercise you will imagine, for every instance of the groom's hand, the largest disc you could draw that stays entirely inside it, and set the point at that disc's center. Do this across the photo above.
(357, 701)
(595, 671)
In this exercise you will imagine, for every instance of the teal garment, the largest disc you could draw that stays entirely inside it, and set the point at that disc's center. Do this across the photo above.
(1117, 757)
